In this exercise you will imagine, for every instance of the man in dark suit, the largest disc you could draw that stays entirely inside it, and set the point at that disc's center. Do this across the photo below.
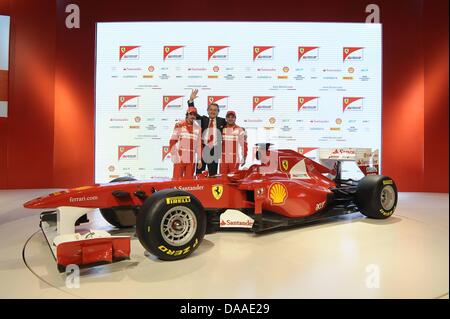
(212, 126)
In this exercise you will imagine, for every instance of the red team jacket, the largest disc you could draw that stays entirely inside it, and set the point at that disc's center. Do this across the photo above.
(185, 142)
(234, 140)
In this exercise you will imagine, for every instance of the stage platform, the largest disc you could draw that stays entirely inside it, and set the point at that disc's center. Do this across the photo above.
(336, 259)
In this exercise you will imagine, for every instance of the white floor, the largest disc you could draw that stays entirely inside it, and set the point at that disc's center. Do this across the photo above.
(339, 259)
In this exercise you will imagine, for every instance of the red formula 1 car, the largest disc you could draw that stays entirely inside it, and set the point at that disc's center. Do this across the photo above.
(171, 216)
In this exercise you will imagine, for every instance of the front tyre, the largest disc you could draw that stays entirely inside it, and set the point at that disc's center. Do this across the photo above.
(376, 196)
(171, 224)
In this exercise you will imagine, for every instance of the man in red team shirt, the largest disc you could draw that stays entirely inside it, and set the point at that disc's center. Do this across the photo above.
(185, 145)
(234, 141)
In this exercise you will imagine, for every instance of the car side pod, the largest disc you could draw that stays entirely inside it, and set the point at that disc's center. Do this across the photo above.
(94, 247)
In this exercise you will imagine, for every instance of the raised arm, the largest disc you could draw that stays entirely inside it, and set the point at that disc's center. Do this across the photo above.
(192, 97)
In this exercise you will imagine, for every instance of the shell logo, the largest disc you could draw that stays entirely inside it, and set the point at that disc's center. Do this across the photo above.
(278, 194)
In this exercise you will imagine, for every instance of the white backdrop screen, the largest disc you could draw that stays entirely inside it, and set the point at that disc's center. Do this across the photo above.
(301, 86)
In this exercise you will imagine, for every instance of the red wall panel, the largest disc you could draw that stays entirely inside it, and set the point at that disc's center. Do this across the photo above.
(435, 45)
(74, 101)
(403, 94)
(31, 94)
(3, 148)
(4, 10)
(414, 98)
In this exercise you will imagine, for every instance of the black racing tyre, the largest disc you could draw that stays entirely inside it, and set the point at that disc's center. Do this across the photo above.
(171, 224)
(120, 217)
(376, 196)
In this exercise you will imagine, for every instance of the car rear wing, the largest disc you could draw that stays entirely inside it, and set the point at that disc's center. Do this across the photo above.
(366, 159)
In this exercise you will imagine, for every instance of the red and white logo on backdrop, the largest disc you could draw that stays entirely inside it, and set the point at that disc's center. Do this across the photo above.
(342, 153)
(165, 153)
(173, 52)
(263, 53)
(129, 52)
(128, 152)
(308, 53)
(308, 103)
(222, 101)
(353, 54)
(172, 102)
(262, 103)
(128, 101)
(218, 52)
(352, 104)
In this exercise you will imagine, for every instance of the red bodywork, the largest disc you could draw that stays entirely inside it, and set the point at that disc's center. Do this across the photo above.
(274, 188)
(93, 251)
(290, 185)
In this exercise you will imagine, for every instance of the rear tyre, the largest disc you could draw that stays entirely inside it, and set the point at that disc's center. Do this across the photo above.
(376, 196)
(123, 217)
(171, 224)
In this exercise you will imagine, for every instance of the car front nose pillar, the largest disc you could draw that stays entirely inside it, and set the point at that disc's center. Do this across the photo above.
(67, 217)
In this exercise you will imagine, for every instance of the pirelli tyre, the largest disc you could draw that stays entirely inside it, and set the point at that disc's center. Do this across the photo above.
(171, 224)
(377, 196)
(120, 217)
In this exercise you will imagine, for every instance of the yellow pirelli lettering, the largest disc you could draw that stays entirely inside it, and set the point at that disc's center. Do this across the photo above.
(386, 213)
(170, 252)
(163, 248)
(388, 182)
(178, 200)
(178, 253)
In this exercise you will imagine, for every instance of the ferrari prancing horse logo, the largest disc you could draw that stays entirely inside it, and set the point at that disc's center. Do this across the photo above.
(285, 164)
(217, 191)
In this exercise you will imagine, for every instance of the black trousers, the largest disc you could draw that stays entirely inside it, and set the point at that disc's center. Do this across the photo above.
(210, 159)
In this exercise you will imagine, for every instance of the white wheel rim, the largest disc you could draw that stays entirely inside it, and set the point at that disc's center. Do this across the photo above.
(387, 197)
(178, 226)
